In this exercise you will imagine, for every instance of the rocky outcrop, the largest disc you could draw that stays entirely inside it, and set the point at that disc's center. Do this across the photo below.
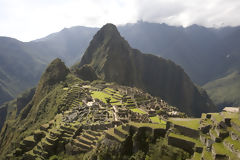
(86, 73)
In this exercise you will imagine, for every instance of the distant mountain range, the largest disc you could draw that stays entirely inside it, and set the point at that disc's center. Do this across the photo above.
(110, 61)
(206, 54)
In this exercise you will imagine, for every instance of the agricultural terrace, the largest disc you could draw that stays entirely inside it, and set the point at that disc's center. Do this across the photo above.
(151, 125)
(156, 119)
(103, 96)
(137, 110)
(192, 123)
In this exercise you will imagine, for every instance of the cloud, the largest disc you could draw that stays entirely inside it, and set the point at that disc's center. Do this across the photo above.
(32, 19)
(186, 12)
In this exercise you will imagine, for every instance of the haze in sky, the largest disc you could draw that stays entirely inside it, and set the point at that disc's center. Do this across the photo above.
(31, 19)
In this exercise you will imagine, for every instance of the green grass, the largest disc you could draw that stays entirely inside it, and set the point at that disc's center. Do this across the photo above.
(207, 155)
(102, 96)
(29, 138)
(137, 110)
(156, 119)
(225, 90)
(197, 156)
(151, 125)
(236, 121)
(111, 132)
(220, 149)
(236, 144)
(192, 123)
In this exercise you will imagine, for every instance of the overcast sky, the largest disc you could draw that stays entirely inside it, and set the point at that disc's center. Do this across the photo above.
(31, 19)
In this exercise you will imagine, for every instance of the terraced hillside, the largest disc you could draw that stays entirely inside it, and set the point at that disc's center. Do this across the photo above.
(120, 116)
(70, 117)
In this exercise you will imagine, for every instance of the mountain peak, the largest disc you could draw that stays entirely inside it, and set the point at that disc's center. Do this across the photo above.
(54, 74)
(109, 27)
(108, 38)
(108, 31)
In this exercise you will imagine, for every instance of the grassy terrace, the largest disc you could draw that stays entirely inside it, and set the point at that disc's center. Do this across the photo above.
(137, 110)
(220, 149)
(192, 123)
(111, 132)
(236, 121)
(197, 156)
(231, 129)
(197, 142)
(103, 96)
(230, 115)
(29, 138)
(157, 120)
(151, 125)
(236, 144)
(207, 155)
(217, 116)
(121, 129)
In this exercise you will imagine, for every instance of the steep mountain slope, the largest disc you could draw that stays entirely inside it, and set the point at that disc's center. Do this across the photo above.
(22, 63)
(38, 108)
(47, 125)
(225, 90)
(68, 44)
(197, 49)
(18, 69)
(115, 61)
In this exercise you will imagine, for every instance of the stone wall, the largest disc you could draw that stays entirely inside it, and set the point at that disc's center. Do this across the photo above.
(159, 132)
(180, 143)
(119, 133)
(187, 131)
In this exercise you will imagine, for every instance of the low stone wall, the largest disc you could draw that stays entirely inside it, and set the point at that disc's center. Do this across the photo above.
(181, 143)
(119, 133)
(109, 136)
(187, 131)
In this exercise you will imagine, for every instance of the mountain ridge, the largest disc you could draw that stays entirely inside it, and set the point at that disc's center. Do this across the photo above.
(115, 61)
